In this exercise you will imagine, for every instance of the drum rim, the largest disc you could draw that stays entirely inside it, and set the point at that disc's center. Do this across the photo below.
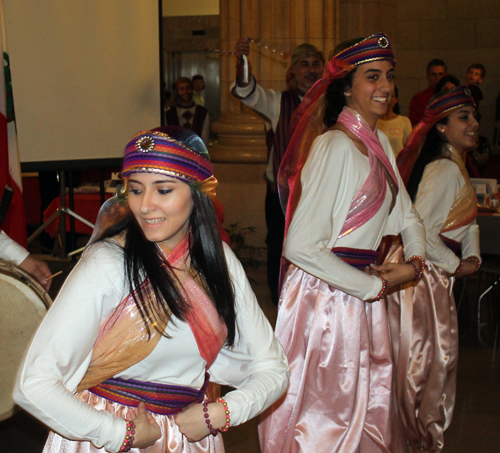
(11, 270)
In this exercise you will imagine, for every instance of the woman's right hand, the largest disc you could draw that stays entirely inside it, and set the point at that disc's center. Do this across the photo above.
(147, 431)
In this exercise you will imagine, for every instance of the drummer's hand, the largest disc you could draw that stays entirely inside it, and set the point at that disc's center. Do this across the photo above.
(191, 422)
(37, 269)
(147, 431)
(394, 274)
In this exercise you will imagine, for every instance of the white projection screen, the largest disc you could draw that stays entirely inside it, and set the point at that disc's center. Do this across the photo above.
(85, 74)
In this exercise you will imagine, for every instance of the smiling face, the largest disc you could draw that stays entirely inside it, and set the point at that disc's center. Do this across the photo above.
(461, 128)
(161, 205)
(307, 72)
(372, 86)
(185, 90)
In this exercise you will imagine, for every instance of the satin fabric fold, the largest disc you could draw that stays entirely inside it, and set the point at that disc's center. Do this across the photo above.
(339, 397)
(171, 440)
(424, 332)
(464, 210)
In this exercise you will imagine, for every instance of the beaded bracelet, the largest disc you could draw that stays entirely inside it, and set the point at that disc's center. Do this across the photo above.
(418, 273)
(226, 410)
(129, 438)
(459, 268)
(213, 431)
(383, 291)
(476, 260)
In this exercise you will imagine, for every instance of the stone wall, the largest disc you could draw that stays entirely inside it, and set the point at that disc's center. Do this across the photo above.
(461, 33)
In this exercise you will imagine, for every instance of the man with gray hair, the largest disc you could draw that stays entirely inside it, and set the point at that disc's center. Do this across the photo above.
(277, 107)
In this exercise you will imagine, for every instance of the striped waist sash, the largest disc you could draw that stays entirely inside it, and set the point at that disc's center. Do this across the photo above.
(454, 246)
(161, 399)
(357, 258)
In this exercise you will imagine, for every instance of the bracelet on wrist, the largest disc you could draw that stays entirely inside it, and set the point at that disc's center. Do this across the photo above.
(129, 438)
(213, 431)
(459, 268)
(226, 411)
(475, 259)
(418, 273)
(383, 291)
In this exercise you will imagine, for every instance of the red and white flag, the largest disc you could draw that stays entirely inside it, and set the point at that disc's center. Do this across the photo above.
(10, 168)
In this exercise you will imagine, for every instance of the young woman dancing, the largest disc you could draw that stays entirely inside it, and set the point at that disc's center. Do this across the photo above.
(156, 307)
(422, 315)
(343, 194)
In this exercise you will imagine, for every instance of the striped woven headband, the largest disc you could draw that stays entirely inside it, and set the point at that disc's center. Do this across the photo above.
(375, 47)
(452, 99)
(156, 152)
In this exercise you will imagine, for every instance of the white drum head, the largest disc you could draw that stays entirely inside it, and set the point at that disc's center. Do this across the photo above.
(23, 304)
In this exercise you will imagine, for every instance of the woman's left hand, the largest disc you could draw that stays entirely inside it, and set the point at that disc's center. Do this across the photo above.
(394, 274)
(191, 422)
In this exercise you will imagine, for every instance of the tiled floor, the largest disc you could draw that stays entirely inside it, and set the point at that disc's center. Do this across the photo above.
(475, 426)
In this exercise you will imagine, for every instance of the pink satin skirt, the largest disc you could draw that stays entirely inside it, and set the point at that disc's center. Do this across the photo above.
(339, 397)
(171, 440)
(424, 331)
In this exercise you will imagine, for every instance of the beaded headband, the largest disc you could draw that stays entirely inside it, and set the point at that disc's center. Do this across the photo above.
(454, 98)
(373, 48)
(435, 111)
(158, 152)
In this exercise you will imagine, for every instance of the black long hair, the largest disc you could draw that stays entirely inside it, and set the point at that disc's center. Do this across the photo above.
(143, 259)
(335, 98)
(431, 151)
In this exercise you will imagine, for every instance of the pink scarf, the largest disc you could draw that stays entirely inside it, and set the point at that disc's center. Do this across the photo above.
(371, 195)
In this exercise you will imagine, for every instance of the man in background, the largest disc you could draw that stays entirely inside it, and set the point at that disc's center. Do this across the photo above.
(436, 69)
(186, 113)
(277, 107)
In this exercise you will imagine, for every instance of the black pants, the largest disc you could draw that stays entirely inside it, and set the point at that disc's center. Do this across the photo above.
(275, 220)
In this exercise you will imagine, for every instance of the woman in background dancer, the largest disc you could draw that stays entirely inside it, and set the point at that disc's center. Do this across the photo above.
(423, 316)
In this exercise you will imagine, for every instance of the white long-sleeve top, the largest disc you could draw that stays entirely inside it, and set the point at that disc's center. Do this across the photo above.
(10, 250)
(60, 353)
(437, 193)
(265, 102)
(331, 177)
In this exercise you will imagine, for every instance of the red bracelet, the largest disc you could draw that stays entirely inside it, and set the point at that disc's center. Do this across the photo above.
(459, 268)
(418, 273)
(383, 291)
(129, 438)
(228, 420)
(476, 260)
(213, 431)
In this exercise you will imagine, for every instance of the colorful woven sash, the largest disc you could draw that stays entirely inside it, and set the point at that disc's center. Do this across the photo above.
(454, 246)
(357, 258)
(159, 398)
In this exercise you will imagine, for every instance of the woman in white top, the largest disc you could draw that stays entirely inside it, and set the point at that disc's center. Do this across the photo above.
(156, 307)
(345, 194)
(423, 316)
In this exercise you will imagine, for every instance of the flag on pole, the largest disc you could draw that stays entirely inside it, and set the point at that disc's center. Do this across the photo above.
(10, 168)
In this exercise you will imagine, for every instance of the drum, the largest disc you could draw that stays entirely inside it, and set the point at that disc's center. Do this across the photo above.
(23, 304)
